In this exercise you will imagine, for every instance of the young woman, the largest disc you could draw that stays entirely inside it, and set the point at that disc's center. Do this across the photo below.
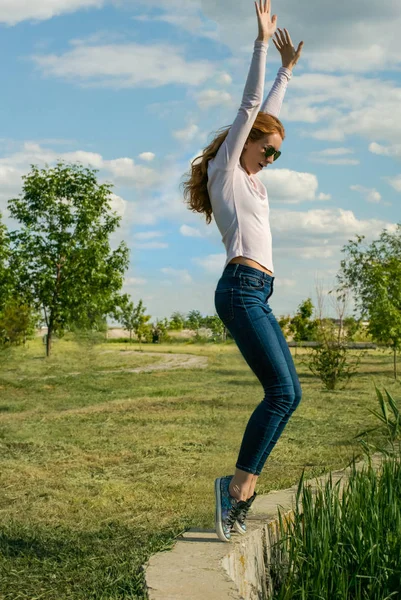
(222, 182)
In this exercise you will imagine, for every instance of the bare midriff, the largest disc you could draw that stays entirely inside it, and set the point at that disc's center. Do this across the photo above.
(250, 263)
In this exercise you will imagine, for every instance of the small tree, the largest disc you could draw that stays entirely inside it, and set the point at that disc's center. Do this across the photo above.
(17, 323)
(177, 321)
(217, 327)
(330, 360)
(133, 318)
(6, 273)
(194, 320)
(301, 325)
(373, 273)
(61, 254)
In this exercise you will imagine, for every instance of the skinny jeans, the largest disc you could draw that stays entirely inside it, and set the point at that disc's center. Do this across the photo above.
(241, 301)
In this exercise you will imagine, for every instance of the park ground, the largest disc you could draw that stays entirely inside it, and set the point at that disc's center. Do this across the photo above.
(100, 467)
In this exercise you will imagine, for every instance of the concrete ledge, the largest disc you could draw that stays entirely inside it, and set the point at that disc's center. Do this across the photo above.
(201, 567)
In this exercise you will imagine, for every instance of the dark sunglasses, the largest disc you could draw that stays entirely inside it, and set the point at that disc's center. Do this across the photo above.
(270, 151)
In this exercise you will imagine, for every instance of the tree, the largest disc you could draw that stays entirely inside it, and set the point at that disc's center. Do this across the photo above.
(132, 317)
(194, 320)
(17, 323)
(330, 360)
(6, 274)
(373, 274)
(177, 321)
(216, 325)
(301, 325)
(62, 256)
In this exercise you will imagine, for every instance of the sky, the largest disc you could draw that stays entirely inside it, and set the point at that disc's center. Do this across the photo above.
(136, 89)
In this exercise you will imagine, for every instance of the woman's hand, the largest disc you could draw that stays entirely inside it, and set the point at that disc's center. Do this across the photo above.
(267, 24)
(284, 45)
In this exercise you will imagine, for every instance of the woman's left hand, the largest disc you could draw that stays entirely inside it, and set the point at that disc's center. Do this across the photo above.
(284, 45)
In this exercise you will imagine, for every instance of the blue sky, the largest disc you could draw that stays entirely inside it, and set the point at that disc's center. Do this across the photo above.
(136, 88)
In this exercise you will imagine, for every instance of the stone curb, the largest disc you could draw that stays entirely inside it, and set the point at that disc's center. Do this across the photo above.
(201, 567)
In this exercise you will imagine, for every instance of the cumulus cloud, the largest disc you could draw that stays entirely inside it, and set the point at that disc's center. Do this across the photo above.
(394, 150)
(187, 231)
(148, 156)
(208, 98)
(291, 187)
(16, 11)
(370, 194)
(127, 65)
(213, 263)
(188, 134)
(323, 225)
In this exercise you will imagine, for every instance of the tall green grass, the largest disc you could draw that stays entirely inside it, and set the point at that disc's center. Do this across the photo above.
(344, 542)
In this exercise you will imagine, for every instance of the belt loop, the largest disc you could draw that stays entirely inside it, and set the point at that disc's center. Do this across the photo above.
(235, 269)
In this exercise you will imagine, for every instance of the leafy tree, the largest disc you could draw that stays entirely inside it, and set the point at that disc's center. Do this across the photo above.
(6, 274)
(177, 321)
(17, 323)
(194, 320)
(373, 273)
(62, 256)
(284, 322)
(301, 325)
(216, 325)
(132, 317)
(159, 331)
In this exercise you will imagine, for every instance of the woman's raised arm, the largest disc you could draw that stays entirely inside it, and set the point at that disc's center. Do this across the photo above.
(289, 56)
(230, 151)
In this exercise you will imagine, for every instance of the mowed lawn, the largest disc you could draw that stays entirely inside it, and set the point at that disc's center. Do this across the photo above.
(101, 469)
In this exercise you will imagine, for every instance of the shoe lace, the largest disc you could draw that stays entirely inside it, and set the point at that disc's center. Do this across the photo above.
(242, 513)
(237, 511)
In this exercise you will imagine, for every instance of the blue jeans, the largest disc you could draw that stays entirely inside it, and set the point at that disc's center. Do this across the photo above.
(241, 301)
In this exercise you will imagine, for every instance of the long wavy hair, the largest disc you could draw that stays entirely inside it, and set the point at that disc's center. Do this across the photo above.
(196, 194)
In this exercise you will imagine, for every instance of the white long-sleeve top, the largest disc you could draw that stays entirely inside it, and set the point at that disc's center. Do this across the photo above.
(239, 201)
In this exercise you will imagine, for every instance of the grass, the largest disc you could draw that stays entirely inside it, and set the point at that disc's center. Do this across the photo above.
(344, 546)
(100, 470)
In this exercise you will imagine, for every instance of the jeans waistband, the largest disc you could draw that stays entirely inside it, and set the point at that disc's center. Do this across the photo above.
(235, 269)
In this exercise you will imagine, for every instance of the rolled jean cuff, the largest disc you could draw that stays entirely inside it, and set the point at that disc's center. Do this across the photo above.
(246, 469)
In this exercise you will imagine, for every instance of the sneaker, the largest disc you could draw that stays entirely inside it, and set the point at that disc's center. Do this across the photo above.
(240, 525)
(227, 508)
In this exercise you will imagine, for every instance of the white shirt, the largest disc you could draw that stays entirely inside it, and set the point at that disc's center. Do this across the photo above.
(239, 201)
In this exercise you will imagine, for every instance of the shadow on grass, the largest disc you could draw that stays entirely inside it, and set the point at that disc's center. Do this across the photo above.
(60, 564)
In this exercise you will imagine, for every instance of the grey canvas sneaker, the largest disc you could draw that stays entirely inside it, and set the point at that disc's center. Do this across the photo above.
(227, 508)
(240, 525)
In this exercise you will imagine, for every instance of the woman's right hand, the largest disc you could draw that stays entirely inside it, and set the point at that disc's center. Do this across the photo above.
(267, 24)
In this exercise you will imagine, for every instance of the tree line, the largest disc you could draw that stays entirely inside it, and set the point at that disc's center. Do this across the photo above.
(58, 268)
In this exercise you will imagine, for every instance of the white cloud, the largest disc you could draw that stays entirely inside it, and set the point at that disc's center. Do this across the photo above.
(125, 66)
(148, 156)
(291, 187)
(327, 224)
(394, 150)
(334, 156)
(188, 134)
(309, 253)
(370, 194)
(224, 79)
(208, 98)
(181, 275)
(350, 43)
(134, 281)
(187, 231)
(395, 182)
(15, 11)
(366, 106)
(213, 263)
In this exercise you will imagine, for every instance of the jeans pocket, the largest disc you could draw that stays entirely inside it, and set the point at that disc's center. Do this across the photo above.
(224, 303)
(252, 282)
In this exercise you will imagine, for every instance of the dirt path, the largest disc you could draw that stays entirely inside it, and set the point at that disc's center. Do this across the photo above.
(170, 362)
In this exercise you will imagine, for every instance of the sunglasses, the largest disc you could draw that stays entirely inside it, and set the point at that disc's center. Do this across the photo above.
(270, 151)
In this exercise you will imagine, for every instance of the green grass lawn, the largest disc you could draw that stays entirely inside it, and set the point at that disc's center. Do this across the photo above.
(100, 470)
